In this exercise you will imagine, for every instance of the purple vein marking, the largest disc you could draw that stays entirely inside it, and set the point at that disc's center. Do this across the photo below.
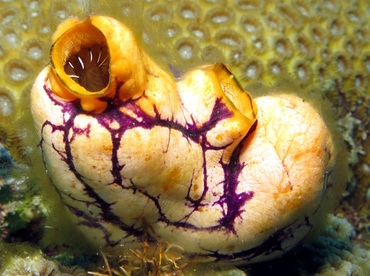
(231, 202)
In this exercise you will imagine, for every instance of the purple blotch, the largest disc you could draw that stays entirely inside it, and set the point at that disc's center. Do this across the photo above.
(232, 203)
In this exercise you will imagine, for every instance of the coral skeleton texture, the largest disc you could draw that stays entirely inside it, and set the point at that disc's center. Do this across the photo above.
(315, 47)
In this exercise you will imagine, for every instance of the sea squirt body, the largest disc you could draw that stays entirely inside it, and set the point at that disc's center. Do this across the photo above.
(191, 162)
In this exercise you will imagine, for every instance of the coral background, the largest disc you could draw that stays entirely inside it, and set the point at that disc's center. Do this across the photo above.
(321, 44)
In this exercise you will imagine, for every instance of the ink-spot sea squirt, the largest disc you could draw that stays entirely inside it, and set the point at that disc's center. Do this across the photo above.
(191, 162)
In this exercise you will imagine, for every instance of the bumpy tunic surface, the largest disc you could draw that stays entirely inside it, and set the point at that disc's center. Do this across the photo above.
(194, 162)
